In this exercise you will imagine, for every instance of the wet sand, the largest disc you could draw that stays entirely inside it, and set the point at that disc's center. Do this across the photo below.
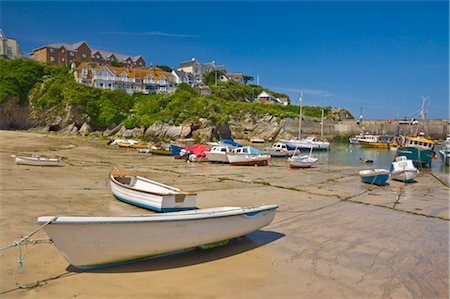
(332, 236)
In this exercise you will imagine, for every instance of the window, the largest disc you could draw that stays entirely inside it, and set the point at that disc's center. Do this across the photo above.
(62, 59)
(52, 58)
(97, 56)
(51, 50)
(62, 51)
(84, 71)
(72, 54)
(83, 55)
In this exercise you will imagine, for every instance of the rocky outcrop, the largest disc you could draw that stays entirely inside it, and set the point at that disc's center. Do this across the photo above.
(13, 115)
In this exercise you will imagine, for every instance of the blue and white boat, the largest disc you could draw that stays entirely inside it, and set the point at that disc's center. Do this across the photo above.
(374, 176)
(149, 194)
(175, 149)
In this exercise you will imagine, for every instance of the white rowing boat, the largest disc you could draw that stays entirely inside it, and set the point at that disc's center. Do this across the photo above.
(96, 242)
(145, 193)
(36, 160)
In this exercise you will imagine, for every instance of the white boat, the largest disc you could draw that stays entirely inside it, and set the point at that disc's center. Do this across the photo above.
(445, 155)
(36, 160)
(149, 194)
(403, 169)
(95, 242)
(368, 138)
(307, 143)
(279, 149)
(302, 161)
(248, 156)
(218, 154)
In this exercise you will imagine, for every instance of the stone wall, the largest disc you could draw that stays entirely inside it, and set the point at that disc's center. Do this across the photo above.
(436, 128)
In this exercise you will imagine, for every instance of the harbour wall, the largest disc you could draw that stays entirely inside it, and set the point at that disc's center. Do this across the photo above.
(436, 128)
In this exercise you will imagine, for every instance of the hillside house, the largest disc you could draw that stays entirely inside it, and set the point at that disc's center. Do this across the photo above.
(129, 80)
(65, 54)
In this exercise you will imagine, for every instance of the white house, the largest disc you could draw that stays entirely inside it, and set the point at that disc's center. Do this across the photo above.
(265, 97)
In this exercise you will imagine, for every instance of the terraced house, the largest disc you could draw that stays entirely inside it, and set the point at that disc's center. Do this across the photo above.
(129, 80)
(65, 54)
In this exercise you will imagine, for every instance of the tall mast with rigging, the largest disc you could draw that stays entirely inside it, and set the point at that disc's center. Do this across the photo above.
(300, 116)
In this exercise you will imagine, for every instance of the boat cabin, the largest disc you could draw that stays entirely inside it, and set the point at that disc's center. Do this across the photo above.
(421, 143)
(220, 149)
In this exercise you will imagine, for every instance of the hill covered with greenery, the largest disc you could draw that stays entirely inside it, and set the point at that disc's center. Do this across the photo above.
(46, 86)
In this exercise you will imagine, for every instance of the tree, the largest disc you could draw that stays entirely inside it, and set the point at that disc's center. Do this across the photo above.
(247, 78)
(210, 78)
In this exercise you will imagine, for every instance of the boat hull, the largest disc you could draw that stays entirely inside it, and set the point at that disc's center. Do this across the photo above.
(445, 156)
(279, 153)
(316, 146)
(36, 161)
(374, 177)
(421, 156)
(217, 157)
(95, 242)
(248, 160)
(160, 152)
(373, 144)
(404, 175)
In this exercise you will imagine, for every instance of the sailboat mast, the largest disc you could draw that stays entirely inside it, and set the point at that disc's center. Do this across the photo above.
(321, 127)
(300, 118)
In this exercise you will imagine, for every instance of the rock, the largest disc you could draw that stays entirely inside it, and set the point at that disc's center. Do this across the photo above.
(109, 132)
(85, 129)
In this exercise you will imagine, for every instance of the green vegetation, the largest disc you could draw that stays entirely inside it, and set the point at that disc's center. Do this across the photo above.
(52, 87)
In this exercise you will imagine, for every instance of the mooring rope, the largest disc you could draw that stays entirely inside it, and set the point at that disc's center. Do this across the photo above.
(23, 242)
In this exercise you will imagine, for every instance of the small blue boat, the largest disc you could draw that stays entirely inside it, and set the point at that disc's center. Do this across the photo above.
(175, 149)
(374, 176)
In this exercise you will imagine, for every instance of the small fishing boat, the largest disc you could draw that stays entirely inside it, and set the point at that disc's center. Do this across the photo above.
(36, 160)
(248, 156)
(256, 140)
(149, 194)
(176, 151)
(403, 169)
(139, 145)
(374, 176)
(123, 142)
(354, 140)
(160, 150)
(218, 154)
(89, 242)
(279, 149)
(365, 160)
(302, 161)
(419, 149)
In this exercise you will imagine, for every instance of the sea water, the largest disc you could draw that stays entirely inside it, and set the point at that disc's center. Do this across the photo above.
(351, 154)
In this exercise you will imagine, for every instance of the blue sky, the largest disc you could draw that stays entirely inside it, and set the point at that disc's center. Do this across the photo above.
(381, 56)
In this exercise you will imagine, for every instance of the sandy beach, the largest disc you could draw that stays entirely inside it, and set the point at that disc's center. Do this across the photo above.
(332, 236)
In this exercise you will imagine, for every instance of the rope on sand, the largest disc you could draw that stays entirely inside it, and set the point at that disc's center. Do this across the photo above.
(22, 245)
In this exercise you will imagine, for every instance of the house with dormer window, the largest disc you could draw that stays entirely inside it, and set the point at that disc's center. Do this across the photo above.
(65, 54)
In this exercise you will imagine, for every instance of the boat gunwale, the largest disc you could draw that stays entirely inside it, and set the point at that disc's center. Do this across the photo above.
(188, 216)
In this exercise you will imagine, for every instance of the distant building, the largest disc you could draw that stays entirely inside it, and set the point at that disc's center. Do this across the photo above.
(129, 80)
(238, 78)
(65, 54)
(9, 49)
(265, 97)
(198, 69)
(183, 77)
